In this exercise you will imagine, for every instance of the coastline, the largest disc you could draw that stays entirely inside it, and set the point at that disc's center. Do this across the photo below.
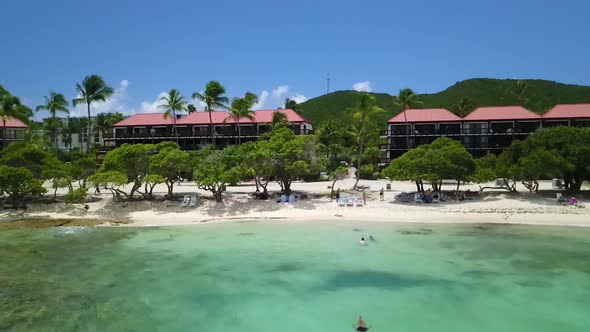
(494, 207)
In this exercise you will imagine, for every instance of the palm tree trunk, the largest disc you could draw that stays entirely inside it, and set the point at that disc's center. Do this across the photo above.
(239, 132)
(3, 132)
(210, 126)
(174, 122)
(89, 130)
(358, 171)
(407, 131)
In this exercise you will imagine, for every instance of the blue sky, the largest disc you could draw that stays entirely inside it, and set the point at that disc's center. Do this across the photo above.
(281, 49)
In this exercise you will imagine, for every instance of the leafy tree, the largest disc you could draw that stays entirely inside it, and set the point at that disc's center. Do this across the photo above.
(172, 103)
(444, 158)
(520, 91)
(573, 146)
(485, 169)
(11, 107)
(215, 169)
(362, 117)
(241, 108)
(111, 180)
(131, 160)
(150, 182)
(257, 158)
(407, 99)
(93, 89)
(31, 157)
(82, 168)
(213, 97)
(18, 183)
(463, 107)
(55, 102)
(292, 156)
(170, 164)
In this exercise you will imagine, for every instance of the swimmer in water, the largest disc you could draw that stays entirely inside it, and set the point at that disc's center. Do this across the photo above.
(362, 243)
(361, 325)
(371, 238)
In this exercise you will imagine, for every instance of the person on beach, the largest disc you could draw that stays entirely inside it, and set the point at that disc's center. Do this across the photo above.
(362, 243)
(381, 194)
(364, 197)
(338, 194)
(361, 325)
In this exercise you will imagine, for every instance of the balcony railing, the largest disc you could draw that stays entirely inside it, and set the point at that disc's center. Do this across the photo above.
(201, 133)
(462, 132)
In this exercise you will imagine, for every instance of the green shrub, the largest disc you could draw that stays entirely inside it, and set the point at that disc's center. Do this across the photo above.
(369, 172)
(77, 195)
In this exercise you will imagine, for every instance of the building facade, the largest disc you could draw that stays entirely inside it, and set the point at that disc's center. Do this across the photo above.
(11, 130)
(193, 130)
(485, 130)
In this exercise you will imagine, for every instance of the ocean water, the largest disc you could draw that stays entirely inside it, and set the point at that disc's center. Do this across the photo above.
(280, 276)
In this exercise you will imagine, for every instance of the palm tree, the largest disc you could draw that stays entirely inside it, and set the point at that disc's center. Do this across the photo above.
(279, 120)
(93, 89)
(213, 97)
(241, 108)
(362, 117)
(519, 92)
(104, 122)
(291, 104)
(190, 108)
(463, 107)
(172, 103)
(12, 108)
(326, 135)
(55, 102)
(407, 99)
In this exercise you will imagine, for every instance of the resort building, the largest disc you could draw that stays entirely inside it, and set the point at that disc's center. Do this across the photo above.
(11, 130)
(485, 130)
(193, 130)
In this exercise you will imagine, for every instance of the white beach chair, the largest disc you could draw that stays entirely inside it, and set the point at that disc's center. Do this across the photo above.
(359, 201)
(349, 201)
(558, 196)
(185, 201)
(436, 199)
(193, 201)
(342, 201)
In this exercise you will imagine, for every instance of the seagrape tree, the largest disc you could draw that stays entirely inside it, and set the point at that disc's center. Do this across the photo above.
(17, 184)
(573, 147)
(291, 156)
(444, 158)
(215, 169)
(170, 163)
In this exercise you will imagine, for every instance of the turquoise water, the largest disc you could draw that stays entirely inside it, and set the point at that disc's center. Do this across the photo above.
(296, 277)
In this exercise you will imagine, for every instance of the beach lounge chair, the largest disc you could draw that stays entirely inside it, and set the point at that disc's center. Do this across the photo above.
(435, 199)
(418, 198)
(559, 197)
(349, 201)
(342, 201)
(358, 201)
(185, 201)
(283, 198)
(292, 199)
(193, 201)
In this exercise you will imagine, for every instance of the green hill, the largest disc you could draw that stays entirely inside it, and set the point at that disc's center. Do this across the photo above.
(541, 95)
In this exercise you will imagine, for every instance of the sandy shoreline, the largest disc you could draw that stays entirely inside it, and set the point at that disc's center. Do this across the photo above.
(496, 207)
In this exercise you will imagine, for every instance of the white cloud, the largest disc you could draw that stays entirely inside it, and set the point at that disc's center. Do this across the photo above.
(276, 98)
(365, 86)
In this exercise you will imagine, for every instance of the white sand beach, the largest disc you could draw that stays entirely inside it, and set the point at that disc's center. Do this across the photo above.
(494, 206)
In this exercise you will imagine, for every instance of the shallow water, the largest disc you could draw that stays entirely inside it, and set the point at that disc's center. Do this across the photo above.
(296, 277)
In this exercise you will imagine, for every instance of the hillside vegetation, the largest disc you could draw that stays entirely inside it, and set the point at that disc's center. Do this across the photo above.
(539, 97)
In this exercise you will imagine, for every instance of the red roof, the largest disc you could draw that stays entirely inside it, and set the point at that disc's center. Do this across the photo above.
(568, 111)
(496, 113)
(145, 119)
(13, 123)
(425, 115)
(196, 118)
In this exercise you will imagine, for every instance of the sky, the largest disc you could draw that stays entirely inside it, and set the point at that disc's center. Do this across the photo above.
(280, 49)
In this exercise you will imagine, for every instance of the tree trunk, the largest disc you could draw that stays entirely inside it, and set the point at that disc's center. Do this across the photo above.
(211, 126)
(287, 187)
(417, 185)
(170, 189)
(239, 132)
(175, 129)
(458, 185)
(89, 130)
(358, 171)
(4, 132)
